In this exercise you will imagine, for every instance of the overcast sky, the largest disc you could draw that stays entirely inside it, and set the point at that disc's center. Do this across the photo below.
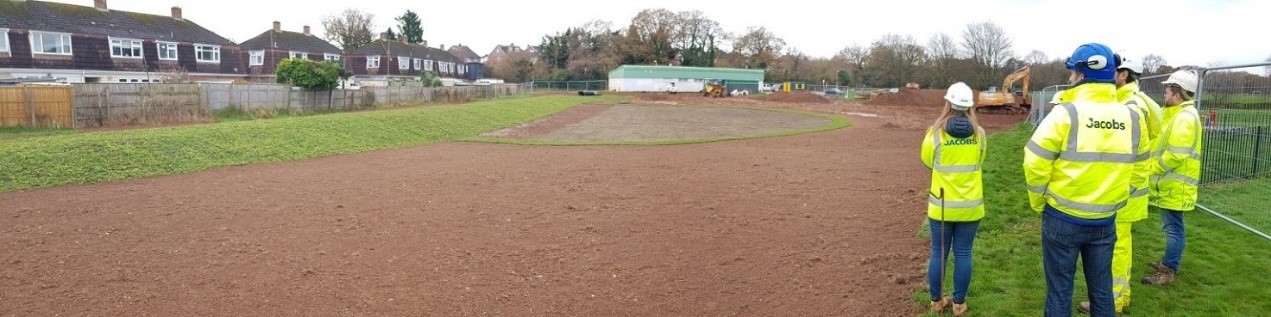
(1184, 32)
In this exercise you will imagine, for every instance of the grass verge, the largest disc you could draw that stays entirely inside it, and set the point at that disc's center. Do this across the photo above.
(11, 133)
(835, 122)
(105, 156)
(1222, 270)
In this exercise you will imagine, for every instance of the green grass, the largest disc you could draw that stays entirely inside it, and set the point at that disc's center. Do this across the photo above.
(836, 122)
(11, 133)
(1244, 201)
(1224, 268)
(105, 156)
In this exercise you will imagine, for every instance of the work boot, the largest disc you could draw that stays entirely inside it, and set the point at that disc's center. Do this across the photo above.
(1163, 276)
(959, 310)
(1156, 266)
(938, 306)
(1084, 307)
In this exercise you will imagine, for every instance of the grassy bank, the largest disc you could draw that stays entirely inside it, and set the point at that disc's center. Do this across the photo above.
(34, 162)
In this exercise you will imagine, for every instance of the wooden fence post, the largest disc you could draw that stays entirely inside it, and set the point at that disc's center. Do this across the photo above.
(30, 107)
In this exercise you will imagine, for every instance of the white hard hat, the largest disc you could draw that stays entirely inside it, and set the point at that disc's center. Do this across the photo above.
(1183, 78)
(1131, 65)
(959, 95)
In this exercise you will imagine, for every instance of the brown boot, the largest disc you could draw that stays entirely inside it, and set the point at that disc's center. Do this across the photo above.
(959, 310)
(938, 306)
(1163, 276)
(1084, 307)
(1156, 266)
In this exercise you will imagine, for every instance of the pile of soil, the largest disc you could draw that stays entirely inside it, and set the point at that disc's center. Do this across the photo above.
(910, 97)
(796, 97)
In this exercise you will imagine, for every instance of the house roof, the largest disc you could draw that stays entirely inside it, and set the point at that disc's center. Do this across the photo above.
(463, 52)
(504, 49)
(383, 47)
(60, 17)
(292, 41)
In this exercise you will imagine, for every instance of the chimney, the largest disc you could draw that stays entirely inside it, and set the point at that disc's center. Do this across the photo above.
(306, 30)
(277, 26)
(383, 36)
(442, 47)
(424, 43)
(176, 13)
(100, 5)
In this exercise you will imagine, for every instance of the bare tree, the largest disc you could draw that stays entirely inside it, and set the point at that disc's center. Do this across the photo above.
(1152, 63)
(759, 46)
(990, 47)
(943, 52)
(349, 29)
(894, 59)
(697, 38)
(855, 57)
(655, 31)
(1036, 58)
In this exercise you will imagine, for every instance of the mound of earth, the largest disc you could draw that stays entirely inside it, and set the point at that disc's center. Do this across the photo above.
(910, 97)
(796, 97)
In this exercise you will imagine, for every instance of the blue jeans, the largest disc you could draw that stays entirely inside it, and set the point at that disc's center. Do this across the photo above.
(962, 235)
(1062, 242)
(1175, 237)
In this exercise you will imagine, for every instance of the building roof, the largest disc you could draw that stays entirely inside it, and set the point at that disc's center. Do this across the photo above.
(463, 52)
(291, 41)
(685, 72)
(60, 17)
(385, 47)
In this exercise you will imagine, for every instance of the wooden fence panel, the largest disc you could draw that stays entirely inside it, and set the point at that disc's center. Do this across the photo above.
(36, 106)
(98, 105)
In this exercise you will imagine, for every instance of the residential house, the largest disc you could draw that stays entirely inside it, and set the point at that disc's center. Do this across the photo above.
(383, 60)
(470, 59)
(79, 44)
(263, 52)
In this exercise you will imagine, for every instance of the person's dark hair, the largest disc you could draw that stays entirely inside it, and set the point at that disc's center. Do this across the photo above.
(1132, 76)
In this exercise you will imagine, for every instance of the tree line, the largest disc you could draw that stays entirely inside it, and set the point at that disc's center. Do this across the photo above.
(982, 54)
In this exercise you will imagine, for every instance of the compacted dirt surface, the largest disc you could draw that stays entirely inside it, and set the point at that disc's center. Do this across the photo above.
(821, 224)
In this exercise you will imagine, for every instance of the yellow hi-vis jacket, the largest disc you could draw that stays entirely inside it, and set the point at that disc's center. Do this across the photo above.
(955, 165)
(1176, 159)
(1081, 159)
(1130, 95)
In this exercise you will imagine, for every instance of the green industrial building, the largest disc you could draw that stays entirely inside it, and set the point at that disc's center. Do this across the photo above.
(647, 78)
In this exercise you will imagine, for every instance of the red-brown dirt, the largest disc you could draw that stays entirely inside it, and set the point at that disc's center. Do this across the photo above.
(909, 97)
(819, 224)
(795, 97)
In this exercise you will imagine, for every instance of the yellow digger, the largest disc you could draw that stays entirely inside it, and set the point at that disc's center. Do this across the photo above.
(715, 89)
(1003, 101)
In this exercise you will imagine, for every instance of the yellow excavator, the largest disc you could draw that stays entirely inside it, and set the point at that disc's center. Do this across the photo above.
(715, 89)
(1003, 100)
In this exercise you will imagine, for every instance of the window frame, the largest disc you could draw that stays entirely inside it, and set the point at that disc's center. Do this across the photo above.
(328, 57)
(174, 50)
(253, 55)
(403, 63)
(69, 45)
(368, 62)
(419, 64)
(298, 54)
(201, 48)
(138, 49)
(4, 35)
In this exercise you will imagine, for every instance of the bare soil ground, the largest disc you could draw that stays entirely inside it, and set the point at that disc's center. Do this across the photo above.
(820, 224)
(623, 123)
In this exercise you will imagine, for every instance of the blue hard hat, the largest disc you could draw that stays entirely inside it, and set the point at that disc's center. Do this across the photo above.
(1095, 61)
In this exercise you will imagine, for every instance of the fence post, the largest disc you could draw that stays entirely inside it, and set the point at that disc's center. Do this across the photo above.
(1257, 149)
(30, 107)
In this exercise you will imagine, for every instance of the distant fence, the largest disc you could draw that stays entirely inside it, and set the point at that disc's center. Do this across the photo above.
(104, 105)
(36, 106)
(599, 85)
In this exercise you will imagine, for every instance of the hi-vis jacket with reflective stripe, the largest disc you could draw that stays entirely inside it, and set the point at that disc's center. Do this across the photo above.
(1081, 159)
(955, 165)
(1130, 95)
(1176, 157)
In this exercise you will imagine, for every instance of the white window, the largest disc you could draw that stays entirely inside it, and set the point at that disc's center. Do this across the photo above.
(372, 62)
(403, 62)
(207, 53)
(419, 64)
(300, 55)
(428, 64)
(257, 58)
(4, 40)
(125, 48)
(331, 57)
(167, 50)
(50, 43)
